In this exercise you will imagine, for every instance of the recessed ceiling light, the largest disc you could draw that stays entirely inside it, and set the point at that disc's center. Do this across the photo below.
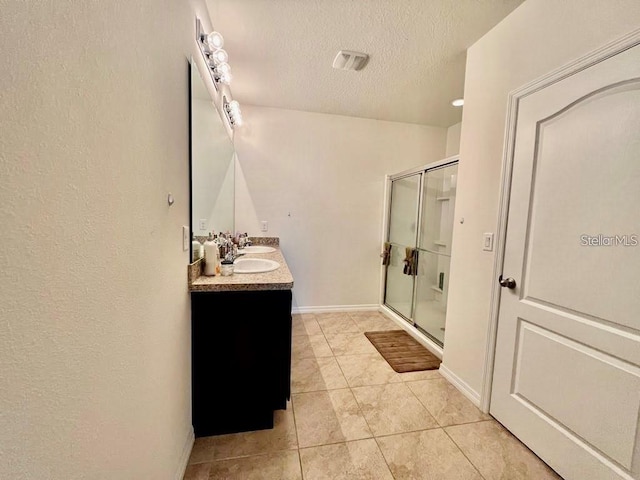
(458, 102)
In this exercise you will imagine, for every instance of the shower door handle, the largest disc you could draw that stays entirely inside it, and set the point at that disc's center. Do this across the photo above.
(509, 283)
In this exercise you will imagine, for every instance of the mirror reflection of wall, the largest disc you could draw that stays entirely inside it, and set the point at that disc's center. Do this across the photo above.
(212, 164)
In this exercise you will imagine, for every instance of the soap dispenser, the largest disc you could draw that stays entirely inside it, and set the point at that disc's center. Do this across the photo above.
(210, 256)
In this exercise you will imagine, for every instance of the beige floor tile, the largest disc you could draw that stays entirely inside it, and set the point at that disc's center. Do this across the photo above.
(280, 465)
(359, 460)
(349, 343)
(375, 323)
(328, 417)
(310, 347)
(199, 471)
(392, 408)
(336, 323)
(426, 455)
(445, 402)
(305, 324)
(497, 454)
(421, 375)
(313, 374)
(281, 437)
(370, 369)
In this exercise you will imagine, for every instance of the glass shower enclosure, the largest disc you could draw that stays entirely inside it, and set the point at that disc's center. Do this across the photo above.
(420, 226)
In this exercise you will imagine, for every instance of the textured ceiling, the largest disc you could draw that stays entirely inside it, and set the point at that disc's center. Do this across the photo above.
(281, 53)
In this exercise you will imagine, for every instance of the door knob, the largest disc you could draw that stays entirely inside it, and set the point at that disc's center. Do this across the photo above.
(507, 282)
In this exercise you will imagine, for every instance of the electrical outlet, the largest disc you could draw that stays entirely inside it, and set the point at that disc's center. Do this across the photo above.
(264, 226)
(488, 242)
(186, 239)
(203, 224)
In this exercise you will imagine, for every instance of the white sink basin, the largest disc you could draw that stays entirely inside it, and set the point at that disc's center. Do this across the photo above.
(254, 265)
(258, 249)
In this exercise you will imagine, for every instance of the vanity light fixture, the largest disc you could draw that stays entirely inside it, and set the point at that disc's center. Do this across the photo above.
(221, 72)
(217, 59)
(232, 111)
(215, 40)
(458, 102)
(219, 56)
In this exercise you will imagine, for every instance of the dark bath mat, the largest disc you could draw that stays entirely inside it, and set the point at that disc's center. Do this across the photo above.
(402, 352)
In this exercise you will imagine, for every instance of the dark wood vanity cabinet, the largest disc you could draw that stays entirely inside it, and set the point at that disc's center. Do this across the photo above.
(241, 359)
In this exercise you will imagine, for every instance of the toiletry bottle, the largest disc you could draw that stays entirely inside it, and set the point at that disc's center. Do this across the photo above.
(196, 248)
(209, 239)
(224, 248)
(217, 258)
(210, 262)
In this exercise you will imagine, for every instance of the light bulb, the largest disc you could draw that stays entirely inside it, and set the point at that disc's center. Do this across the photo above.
(238, 121)
(458, 102)
(220, 56)
(234, 106)
(225, 78)
(223, 68)
(215, 40)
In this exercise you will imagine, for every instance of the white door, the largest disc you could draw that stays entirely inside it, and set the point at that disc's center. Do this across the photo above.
(567, 366)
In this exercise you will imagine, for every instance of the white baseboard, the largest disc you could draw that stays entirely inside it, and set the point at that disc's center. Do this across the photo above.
(335, 308)
(186, 453)
(414, 332)
(461, 385)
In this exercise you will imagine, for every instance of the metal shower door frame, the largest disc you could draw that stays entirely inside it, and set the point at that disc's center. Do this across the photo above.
(422, 171)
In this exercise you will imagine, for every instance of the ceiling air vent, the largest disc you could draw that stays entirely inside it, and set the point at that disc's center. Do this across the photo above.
(348, 60)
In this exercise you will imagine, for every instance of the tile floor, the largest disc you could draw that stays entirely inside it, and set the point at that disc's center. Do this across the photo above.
(352, 417)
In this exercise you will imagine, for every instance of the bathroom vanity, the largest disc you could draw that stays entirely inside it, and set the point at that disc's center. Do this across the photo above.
(241, 348)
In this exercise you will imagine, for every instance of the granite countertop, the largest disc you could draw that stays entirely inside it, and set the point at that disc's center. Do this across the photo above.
(279, 279)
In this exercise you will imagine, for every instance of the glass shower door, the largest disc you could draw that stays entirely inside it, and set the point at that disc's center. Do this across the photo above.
(403, 226)
(434, 246)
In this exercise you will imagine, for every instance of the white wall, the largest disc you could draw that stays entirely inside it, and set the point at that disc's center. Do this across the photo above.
(319, 181)
(453, 140)
(538, 37)
(95, 313)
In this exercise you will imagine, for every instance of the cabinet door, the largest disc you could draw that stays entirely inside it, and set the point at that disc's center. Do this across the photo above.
(241, 351)
(280, 308)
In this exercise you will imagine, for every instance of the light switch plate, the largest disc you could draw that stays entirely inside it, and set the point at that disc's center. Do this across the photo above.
(185, 238)
(487, 244)
(203, 224)
(264, 225)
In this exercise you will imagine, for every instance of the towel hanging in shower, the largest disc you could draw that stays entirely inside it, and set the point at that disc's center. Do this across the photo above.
(410, 261)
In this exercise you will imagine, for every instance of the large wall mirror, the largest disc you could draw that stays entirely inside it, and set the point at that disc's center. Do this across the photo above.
(212, 164)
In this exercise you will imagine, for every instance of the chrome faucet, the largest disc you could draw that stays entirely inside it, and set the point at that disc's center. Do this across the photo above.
(243, 241)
